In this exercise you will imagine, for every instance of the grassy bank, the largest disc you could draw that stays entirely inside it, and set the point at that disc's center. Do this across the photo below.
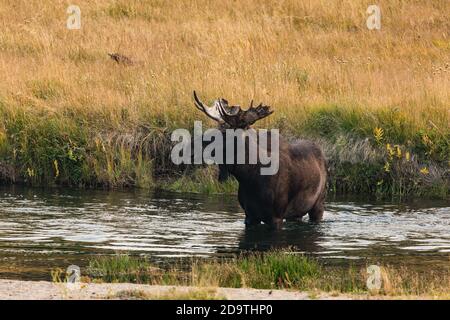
(376, 101)
(271, 270)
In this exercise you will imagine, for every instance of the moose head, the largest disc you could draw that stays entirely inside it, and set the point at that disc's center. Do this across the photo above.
(233, 117)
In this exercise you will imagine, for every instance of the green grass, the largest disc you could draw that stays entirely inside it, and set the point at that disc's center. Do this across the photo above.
(38, 148)
(60, 150)
(271, 270)
(124, 268)
(260, 270)
(430, 142)
(202, 180)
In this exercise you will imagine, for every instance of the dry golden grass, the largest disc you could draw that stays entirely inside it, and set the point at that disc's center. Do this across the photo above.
(293, 55)
(171, 294)
(60, 89)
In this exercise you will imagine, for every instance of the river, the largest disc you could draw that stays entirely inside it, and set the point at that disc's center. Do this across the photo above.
(43, 229)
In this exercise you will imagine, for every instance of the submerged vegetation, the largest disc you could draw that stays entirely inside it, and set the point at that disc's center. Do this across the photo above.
(376, 101)
(271, 270)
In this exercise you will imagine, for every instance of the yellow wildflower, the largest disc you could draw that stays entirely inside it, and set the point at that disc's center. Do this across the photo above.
(30, 172)
(390, 150)
(378, 133)
(426, 139)
(55, 163)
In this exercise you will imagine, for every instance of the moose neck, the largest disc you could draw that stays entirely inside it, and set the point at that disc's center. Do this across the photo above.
(247, 153)
(244, 173)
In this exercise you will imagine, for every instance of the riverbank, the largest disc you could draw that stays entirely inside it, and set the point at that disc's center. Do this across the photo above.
(376, 101)
(44, 290)
(272, 270)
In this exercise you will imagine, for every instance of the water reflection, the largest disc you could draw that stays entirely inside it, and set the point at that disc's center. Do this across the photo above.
(300, 236)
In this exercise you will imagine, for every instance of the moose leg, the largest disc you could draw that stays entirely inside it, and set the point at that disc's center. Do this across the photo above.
(279, 211)
(251, 221)
(277, 223)
(316, 213)
(252, 218)
(294, 218)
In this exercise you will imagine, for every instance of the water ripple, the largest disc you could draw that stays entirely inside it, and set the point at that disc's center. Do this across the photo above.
(65, 224)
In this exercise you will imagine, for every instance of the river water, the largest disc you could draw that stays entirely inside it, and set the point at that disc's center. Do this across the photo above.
(42, 229)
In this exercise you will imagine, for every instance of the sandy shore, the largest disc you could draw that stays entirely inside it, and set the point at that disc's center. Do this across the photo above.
(44, 290)
(37, 290)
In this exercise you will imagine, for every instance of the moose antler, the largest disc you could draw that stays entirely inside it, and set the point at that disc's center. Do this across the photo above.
(212, 111)
(238, 118)
(221, 112)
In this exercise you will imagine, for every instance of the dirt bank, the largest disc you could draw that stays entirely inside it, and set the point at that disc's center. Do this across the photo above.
(39, 290)
(16, 289)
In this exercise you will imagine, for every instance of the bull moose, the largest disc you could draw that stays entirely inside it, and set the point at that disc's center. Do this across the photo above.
(297, 189)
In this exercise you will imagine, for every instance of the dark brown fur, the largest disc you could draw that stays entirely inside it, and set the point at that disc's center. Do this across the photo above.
(297, 189)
